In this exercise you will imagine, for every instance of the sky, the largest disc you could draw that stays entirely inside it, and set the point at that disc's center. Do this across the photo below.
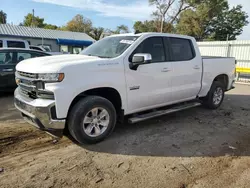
(103, 13)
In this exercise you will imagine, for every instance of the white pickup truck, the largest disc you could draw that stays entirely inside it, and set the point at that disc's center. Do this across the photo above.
(139, 76)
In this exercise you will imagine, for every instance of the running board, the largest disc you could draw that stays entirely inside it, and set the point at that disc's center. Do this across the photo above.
(154, 114)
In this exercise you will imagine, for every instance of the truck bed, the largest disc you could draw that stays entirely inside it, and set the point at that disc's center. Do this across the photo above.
(213, 66)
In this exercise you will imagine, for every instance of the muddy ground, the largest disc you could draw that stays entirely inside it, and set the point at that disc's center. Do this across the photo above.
(193, 148)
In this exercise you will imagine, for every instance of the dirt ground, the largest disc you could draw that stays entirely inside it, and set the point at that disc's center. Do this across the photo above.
(193, 148)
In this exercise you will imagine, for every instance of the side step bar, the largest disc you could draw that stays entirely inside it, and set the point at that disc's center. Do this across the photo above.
(154, 114)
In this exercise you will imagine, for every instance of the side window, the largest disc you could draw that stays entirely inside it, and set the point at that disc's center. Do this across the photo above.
(15, 44)
(153, 46)
(1, 43)
(77, 50)
(182, 49)
(64, 48)
(6, 58)
(22, 56)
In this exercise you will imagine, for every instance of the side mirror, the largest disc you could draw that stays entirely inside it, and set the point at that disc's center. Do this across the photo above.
(141, 58)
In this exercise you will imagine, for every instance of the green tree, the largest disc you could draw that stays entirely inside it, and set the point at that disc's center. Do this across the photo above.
(212, 20)
(50, 26)
(229, 24)
(146, 26)
(121, 29)
(152, 26)
(168, 11)
(79, 24)
(3, 17)
(96, 32)
(31, 21)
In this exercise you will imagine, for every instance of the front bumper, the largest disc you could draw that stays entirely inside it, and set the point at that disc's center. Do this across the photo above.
(39, 113)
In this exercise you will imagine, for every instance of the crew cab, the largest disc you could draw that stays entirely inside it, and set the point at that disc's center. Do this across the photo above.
(140, 76)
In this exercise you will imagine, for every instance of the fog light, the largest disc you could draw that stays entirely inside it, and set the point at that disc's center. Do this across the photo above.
(18, 81)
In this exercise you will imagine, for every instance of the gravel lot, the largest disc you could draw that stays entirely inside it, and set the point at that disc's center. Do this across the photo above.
(193, 148)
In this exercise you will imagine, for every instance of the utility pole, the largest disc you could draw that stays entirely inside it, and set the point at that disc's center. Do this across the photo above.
(162, 22)
(32, 21)
(227, 37)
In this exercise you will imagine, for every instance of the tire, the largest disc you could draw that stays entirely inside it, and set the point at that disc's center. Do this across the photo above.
(209, 101)
(85, 118)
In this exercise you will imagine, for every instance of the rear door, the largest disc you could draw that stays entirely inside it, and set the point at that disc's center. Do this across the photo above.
(187, 69)
(7, 69)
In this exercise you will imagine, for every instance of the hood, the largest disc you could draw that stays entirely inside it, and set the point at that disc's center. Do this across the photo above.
(52, 63)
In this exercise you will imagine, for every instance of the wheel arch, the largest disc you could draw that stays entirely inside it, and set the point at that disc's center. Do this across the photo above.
(224, 79)
(109, 93)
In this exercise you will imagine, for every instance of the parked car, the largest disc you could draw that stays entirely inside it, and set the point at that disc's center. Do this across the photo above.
(136, 75)
(9, 57)
(13, 43)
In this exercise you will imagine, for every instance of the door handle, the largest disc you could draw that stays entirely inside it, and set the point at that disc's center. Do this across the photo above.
(197, 67)
(7, 70)
(165, 70)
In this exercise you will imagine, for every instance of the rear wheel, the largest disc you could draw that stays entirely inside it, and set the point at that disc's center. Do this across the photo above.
(215, 96)
(92, 119)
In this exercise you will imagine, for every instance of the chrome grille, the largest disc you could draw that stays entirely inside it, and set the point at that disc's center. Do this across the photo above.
(26, 84)
(28, 90)
(30, 87)
(27, 75)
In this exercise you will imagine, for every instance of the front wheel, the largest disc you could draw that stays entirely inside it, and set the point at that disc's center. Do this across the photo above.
(92, 119)
(215, 96)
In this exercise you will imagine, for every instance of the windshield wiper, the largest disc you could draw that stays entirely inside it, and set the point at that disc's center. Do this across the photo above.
(103, 56)
(98, 56)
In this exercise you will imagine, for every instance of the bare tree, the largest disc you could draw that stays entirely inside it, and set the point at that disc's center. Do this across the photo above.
(168, 10)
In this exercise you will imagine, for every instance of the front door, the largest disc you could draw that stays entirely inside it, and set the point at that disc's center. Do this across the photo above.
(149, 85)
(7, 70)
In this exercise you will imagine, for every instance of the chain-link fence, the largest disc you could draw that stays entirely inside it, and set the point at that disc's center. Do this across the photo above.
(238, 49)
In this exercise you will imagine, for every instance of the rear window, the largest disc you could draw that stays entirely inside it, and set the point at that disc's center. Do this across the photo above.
(35, 48)
(1, 44)
(15, 44)
(182, 49)
(37, 54)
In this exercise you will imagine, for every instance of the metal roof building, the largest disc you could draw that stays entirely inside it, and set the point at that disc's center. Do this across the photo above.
(55, 39)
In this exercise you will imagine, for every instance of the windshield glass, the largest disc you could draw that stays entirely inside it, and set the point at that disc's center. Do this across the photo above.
(110, 47)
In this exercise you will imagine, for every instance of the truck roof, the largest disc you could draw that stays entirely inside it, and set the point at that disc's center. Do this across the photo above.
(154, 34)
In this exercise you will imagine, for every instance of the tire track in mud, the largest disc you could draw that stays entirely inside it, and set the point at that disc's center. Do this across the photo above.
(25, 138)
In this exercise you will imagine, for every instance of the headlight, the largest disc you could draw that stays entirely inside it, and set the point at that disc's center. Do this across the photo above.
(51, 77)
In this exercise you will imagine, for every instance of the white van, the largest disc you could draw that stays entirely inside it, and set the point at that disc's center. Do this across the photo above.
(13, 43)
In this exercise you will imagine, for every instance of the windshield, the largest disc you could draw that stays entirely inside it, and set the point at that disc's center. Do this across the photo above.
(110, 47)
